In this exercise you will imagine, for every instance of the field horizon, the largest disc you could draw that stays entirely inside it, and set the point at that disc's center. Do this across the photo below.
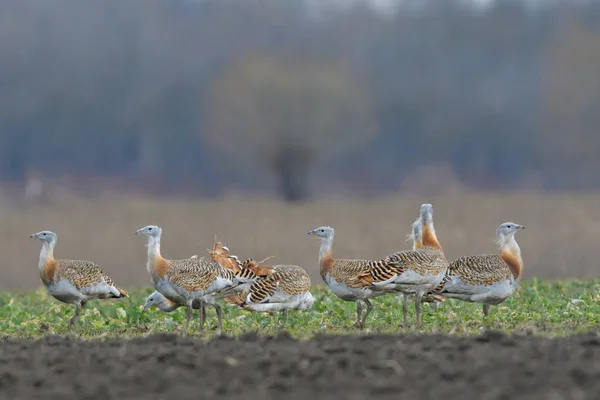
(560, 239)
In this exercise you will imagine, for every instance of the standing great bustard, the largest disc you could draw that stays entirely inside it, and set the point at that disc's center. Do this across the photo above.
(416, 237)
(73, 281)
(187, 281)
(350, 280)
(421, 269)
(360, 280)
(489, 279)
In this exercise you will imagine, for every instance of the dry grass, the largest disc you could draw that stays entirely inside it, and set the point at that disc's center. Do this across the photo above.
(562, 238)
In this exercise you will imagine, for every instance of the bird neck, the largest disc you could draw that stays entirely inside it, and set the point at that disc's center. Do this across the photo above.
(47, 264)
(429, 238)
(325, 255)
(153, 248)
(511, 253)
(47, 253)
(157, 265)
(417, 243)
(168, 305)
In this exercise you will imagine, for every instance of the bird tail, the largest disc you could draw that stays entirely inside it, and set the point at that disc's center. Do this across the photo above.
(433, 298)
(122, 292)
(256, 267)
(237, 299)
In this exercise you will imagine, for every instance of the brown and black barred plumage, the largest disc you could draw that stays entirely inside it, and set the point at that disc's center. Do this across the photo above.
(277, 288)
(220, 254)
(477, 270)
(197, 275)
(423, 261)
(85, 276)
(291, 279)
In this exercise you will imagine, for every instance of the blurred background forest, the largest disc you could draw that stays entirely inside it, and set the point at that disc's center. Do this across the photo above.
(258, 120)
(300, 97)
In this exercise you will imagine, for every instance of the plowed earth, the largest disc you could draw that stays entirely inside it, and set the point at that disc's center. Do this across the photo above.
(492, 366)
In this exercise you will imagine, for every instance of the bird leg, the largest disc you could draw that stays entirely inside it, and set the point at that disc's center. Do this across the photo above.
(418, 299)
(219, 318)
(358, 314)
(405, 309)
(187, 321)
(285, 318)
(75, 319)
(202, 312)
(486, 309)
(369, 309)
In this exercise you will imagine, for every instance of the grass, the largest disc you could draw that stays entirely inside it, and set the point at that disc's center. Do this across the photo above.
(548, 308)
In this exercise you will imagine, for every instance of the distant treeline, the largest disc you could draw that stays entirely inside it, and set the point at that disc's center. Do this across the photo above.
(278, 95)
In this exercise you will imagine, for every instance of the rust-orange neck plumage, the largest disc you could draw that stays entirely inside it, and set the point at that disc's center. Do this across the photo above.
(48, 265)
(513, 260)
(429, 237)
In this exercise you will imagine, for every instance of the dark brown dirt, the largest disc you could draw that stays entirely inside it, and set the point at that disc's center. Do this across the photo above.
(492, 366)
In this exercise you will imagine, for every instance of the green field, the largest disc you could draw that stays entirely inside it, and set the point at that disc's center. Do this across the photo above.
(550, 308)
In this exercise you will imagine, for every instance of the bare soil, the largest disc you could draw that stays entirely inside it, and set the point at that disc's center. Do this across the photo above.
(492, 366)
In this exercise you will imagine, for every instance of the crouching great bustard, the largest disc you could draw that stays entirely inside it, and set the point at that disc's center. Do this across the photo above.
(155, 299)
(73, 281)
(266, 288)
(489, 279)
(188, 281)
(277, 288)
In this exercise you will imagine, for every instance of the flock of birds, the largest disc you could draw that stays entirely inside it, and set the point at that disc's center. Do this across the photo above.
(422, 273)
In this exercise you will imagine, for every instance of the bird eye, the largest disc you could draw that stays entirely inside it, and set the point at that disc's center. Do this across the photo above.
(322, 230)
(149, 229)
(44, 234)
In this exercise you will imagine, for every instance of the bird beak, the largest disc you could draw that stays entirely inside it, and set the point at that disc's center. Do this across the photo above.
(521, 226)
(32, 235)
(311, 232)
(145, 307)
(139, 230)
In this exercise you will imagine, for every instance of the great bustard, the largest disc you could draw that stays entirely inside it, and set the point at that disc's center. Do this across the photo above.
(360, 280)
(420, 270)
(280, 287)
(73, 281)
(490, 278)
(187, 281)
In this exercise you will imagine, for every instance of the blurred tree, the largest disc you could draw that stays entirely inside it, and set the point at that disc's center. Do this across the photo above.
(111, 89)
(287, 114)
(570, 118)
